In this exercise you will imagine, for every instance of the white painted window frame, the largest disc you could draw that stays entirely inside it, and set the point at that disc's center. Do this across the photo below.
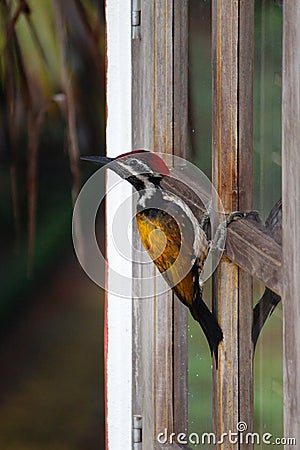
(144, 337)
(118, 311)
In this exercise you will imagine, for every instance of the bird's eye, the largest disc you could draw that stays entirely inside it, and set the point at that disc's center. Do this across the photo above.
(132, 162)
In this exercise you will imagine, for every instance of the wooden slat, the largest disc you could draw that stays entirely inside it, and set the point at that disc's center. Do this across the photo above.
(256, 252)
(232, 32)
(180, 145)
(143, 309)
(225, 154)
(159, 124)
(291, 215)
(151, 343)
(163, 142)
(245, 202)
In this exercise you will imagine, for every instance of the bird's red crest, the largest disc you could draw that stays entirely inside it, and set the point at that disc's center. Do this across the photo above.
(152, 159)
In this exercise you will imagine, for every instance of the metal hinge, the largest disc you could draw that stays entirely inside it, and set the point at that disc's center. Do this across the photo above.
(137, 432)
(136, 19)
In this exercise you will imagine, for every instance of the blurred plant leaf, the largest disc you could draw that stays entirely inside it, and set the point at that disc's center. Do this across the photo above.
(30, 83)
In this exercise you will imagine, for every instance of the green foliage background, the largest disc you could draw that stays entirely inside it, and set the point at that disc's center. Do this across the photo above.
(52, 107)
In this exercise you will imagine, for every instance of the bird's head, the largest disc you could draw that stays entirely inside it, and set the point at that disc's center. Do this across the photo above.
(141, 168)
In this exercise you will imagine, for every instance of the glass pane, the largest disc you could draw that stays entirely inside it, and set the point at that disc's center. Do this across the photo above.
(267, 105)
(267, 190)
(200, 85)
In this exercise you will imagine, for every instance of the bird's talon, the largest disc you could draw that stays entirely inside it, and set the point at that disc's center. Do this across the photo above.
(253, 215)
(234, 215)
(205, 220)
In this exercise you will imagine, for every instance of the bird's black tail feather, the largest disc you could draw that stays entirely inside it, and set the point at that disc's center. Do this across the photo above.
(209, 325)
(263, 309)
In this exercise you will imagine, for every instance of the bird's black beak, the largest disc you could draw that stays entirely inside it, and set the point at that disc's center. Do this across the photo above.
(99, 160)
(102, 161)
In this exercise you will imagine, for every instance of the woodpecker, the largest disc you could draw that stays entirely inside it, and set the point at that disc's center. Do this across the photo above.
(162, 219)
(268, 302)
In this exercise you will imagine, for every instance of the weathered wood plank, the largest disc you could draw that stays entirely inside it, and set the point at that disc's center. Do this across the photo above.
(162, 52)
(152, 129)
(160, 124)
(256, 252)
(225, 154)
(180, 145)
(291, 215)
(232, 175)
(245, 202)
(143, 309)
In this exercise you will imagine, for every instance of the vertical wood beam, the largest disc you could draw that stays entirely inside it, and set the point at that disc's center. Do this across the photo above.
(224, 174)
(291, 215)
(180, 146)
(232, 59)
(245, 203)
(159, 111)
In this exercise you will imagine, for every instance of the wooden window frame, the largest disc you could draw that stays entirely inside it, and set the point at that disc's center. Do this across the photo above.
(159, 122)
(159, 114)
(291, 215)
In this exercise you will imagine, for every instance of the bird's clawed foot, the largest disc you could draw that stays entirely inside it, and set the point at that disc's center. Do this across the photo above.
(253, 215)
(237, 215)
(233, 216)
(205, 219)
(218, 243)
